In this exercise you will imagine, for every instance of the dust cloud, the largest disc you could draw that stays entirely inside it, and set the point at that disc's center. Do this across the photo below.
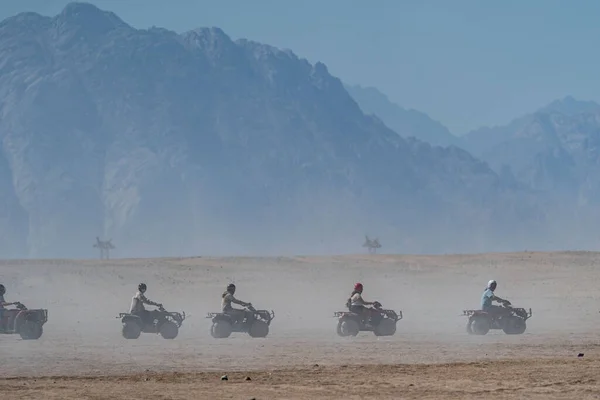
(84, 298)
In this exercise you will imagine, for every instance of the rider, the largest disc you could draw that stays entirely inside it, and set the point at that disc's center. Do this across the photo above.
(356, 303)
(488, 297)
(137, 305)
(227, 298)
(3, 304)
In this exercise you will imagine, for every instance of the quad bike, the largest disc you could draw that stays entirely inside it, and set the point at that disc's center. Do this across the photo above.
(511, 320)
(27, 323)
(165, 323)
(381, 322)
(223, 325)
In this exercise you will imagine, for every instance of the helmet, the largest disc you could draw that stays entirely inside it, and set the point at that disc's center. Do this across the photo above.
(492, 283)
(2, 290)
(142, 287)
(231, 288)
(358, 287)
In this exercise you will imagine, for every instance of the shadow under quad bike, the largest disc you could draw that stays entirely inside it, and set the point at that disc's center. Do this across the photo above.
(223, 324)
(163, 322)
(381, 322)
(510, 319)
(24, 322)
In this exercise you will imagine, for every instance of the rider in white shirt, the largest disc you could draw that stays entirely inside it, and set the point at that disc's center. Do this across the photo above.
(137, 305)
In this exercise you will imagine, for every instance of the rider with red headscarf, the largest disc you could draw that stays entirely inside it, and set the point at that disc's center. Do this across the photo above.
(357, 304)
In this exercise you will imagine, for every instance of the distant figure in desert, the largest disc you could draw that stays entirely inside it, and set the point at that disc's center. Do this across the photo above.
(137, 305)
(226, 307)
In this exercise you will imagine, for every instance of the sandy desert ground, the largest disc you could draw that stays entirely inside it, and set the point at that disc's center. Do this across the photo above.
(83, 356)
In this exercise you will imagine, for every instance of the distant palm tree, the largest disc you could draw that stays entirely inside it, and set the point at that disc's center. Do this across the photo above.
(371, 245)
(105, 247)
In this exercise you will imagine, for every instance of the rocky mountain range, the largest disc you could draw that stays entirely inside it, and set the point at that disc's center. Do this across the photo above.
(183, 144)
(556, 152)
(405, 122)
(554, 149)
(552, 152)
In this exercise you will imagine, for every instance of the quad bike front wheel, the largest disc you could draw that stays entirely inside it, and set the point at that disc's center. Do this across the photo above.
(514, 326)
(387, 327)
(258, 329)
(31, 330)
(469, 330)
(169, 330)
(221, 329)
(131, 330)
(348, 327)
(479, 325)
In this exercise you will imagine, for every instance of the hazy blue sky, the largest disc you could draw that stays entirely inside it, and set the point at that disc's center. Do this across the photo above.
(465, 62)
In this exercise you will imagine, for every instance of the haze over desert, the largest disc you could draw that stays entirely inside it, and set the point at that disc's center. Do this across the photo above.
(331, 199)
(430, 356)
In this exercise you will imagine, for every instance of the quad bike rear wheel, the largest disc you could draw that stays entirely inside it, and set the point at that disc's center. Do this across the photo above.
(258, 329)
(169, 330)
(31, 330)
(131, 330)
(221, 329)
(387, 327)
(514, 326)
(348, 327)
(479, 325)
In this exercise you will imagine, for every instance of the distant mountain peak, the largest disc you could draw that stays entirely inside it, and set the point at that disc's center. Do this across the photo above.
(86, 20)
(263, 51)
(568, 105)
(553, 150)
(89, 14)
(78, 7)
(212, 40)
(321, 68)
(372, 94)
(405, 122)
(26, 21)
(211, 32)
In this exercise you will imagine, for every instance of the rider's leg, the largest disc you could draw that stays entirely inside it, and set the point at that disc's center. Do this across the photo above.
(139, 314)
(154, 314)
(147, 317)
(237, 315)
(360, 310)
(494, 310)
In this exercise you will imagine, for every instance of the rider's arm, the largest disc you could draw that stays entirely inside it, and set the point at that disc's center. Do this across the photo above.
(236, 301)
(496, 298)
(6, 303)
(145, 300)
